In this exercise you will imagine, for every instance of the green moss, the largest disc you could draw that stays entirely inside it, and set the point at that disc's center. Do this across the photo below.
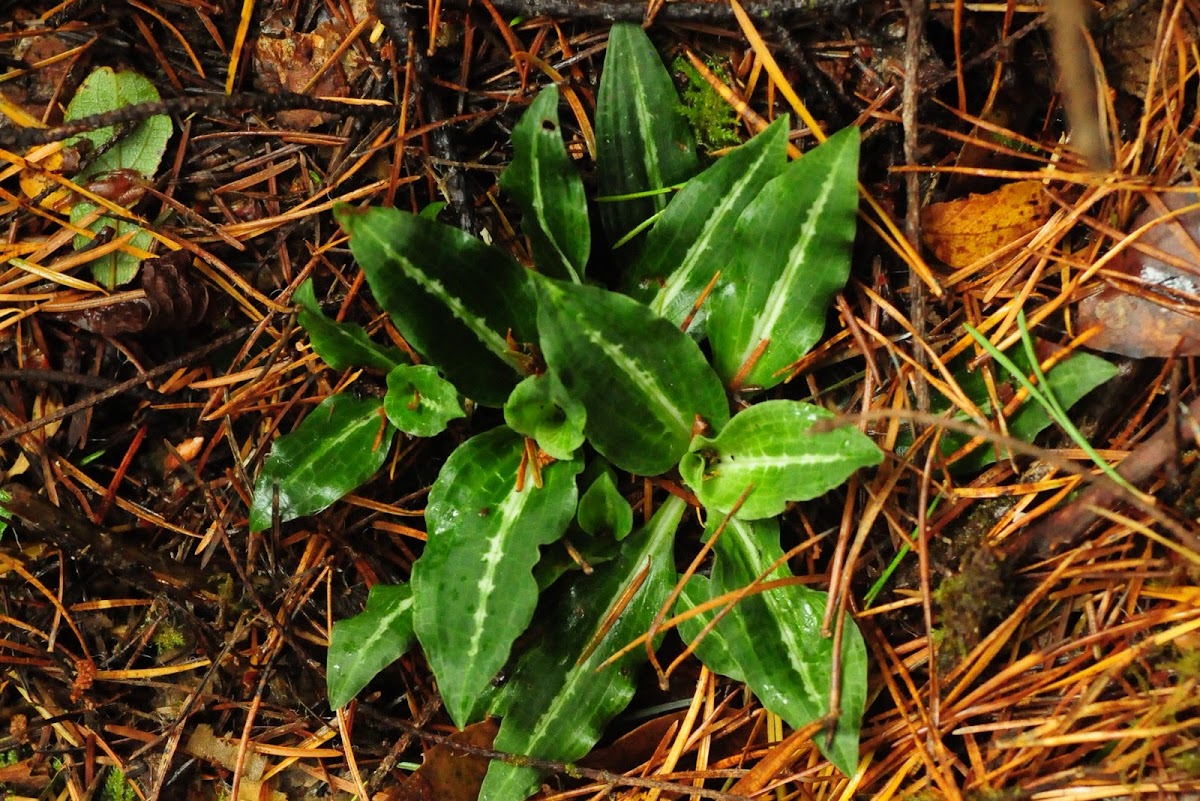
(1187, 763)
(714, 121)
(168, 638)
(117, 787)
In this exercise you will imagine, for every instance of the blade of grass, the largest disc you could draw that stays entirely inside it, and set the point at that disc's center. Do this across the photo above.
(1044, 398)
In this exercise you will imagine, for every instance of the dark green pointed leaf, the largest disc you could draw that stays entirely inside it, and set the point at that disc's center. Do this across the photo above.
(693, 238)
(603, 510)
(642, 381)
(474, 585)
(140, 150)
(547, 188)
(341, 345)
(557, 703)
(768, 447)
(419, 401)
(772, 641)
(335, 450)
(540, 408)
(453, 298)
(793, 246)
(365, 644)
(643, 142)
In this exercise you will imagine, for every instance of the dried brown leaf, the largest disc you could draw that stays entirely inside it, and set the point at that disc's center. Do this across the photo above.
(961, 232)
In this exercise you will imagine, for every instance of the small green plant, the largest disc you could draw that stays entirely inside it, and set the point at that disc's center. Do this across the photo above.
(713, 121)
(167, 638)
(594, 383)
(117, 787)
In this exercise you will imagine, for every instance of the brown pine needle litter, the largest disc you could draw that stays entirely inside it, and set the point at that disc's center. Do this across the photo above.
(1036, 630)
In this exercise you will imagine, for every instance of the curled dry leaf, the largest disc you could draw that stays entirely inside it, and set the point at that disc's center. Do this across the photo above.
(448, 774)
(1141, 311)
(961, 232)
(175, 299)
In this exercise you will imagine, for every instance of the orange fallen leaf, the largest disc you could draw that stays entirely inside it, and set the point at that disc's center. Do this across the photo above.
(961, 232)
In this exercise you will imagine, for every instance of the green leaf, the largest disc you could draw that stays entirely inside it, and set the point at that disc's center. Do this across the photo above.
(474, 585)
(431, 211)
(1069, 381)
(793, 246)
(643, 142)
(5, 515)
(772, 641)
(769, 449)
(603, 510)
(694, 237)
(547, 188)
(419, 401)
(341, 345)
(140, 150)
(365, 644)
(335, 450)
(540, 408)
(557, 703)
(452, 297)
(642, 381)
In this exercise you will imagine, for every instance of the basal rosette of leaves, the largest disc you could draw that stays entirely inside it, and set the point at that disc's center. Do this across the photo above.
(625, 390)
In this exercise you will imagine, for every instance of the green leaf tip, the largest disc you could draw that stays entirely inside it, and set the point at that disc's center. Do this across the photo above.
(340, 345)
(363, 645)
(542, 179)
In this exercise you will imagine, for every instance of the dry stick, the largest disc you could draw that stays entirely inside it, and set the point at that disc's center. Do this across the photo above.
(125, 386)
(24, 138)
(1066, 526)
(918, 300)
(635, 10)
(1061, 529)
(567, 768)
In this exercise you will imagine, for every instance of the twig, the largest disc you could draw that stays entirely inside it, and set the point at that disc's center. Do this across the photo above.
(24, 138)
(117, 389)
(568, 768)
(918, 301)
(634, 10)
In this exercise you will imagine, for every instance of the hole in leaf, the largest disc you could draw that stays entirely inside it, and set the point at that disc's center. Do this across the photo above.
(548, 125)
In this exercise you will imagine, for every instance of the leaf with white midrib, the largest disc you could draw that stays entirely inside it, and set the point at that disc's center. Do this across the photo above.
(640, 379)
(792, 254)
(455, 299)
(770, 447)
(692, 239)
(543, 181)
(338, 446)
(474, 585)
(365, 644)
(772, 641)
(643, 142)
(561, 698)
